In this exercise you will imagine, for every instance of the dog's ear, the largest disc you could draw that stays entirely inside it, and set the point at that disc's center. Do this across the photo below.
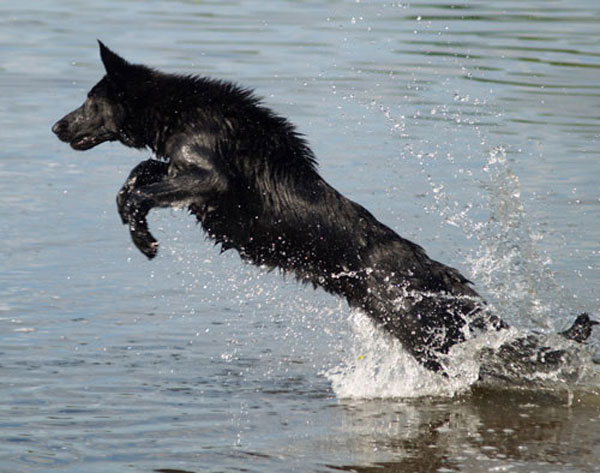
(114, 64)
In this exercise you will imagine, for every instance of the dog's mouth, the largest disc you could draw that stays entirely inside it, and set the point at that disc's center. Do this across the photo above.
(81, 143)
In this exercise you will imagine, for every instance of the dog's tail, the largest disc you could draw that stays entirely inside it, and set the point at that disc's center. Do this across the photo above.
(581, 328)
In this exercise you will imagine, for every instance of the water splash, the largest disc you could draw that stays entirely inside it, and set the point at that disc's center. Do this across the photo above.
(376, 366)
(522, 289)
(507, 263)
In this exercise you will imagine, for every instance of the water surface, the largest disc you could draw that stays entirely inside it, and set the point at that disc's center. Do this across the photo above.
(471, 128)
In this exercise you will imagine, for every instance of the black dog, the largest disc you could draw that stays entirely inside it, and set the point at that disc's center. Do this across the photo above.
(252, 182)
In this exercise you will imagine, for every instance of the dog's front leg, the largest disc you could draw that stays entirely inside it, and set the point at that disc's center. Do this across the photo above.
(181, 191)
(145, 173)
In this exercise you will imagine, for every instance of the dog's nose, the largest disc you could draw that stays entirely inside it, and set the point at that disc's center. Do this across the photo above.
(58, 127)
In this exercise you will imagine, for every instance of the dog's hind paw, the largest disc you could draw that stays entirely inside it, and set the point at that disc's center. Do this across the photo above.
(581, 328)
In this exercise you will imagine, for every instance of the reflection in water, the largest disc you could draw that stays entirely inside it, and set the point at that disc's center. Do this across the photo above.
(490, 431)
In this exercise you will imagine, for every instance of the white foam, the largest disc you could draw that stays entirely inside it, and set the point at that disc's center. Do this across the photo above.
(376, 366)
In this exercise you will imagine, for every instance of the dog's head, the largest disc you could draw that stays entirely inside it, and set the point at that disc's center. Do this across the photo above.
(105, 114)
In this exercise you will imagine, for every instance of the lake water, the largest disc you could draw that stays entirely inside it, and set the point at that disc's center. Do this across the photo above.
(472, 128)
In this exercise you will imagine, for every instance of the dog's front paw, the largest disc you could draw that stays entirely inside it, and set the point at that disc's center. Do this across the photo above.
(144, 240)
(133, 208)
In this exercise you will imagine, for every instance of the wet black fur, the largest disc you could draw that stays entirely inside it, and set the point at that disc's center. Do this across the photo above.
(251, 180)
